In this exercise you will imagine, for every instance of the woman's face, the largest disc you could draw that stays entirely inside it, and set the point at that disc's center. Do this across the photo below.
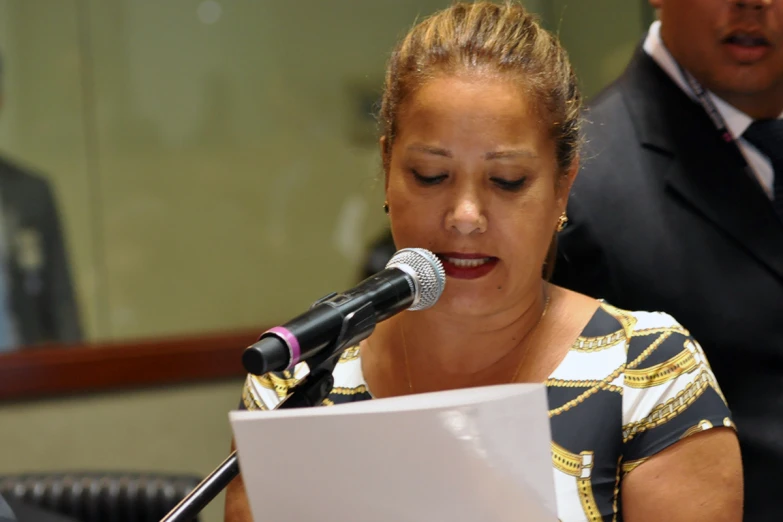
(473, 177)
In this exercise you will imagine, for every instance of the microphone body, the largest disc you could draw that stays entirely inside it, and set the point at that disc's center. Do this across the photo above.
(413, 278)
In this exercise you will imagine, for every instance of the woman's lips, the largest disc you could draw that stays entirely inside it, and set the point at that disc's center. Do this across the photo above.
(467, 266)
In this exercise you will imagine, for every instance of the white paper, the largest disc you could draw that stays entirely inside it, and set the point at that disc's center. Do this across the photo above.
(479, 454)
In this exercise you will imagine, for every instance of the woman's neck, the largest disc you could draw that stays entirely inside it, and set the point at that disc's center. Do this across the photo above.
(467, 350)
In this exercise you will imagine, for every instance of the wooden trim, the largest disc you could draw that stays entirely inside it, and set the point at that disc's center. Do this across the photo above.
(55, 371)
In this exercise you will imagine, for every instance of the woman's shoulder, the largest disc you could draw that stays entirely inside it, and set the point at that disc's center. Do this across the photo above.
(661, 352)
(669, 390)
(655, 338)
(264, 392)
(645, 325)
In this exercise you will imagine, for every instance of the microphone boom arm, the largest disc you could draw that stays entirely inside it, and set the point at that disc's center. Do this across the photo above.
(312, 390)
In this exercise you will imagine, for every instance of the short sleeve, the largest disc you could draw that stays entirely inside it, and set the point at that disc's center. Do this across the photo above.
(669, 389)
(265, 392)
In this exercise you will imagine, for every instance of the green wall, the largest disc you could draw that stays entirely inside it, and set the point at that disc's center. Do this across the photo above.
(600, 35)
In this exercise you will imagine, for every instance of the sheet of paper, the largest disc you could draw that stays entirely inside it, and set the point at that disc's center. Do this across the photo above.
(480, 454)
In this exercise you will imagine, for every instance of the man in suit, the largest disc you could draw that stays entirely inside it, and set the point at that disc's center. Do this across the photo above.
(679, 206)
(37, 302)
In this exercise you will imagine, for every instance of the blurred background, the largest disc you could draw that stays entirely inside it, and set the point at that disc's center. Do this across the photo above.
(212, 167)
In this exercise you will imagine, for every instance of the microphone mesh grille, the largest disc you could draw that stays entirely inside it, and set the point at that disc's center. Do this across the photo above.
(430, 278)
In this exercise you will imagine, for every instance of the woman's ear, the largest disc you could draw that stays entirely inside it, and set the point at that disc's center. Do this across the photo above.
(566, 182)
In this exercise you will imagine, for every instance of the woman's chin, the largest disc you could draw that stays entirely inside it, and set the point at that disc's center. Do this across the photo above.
(464, 305)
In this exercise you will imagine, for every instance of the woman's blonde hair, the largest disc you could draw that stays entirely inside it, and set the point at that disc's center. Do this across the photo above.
(487, 37)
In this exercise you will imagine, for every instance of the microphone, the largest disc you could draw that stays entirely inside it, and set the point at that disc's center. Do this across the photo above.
(413, 279)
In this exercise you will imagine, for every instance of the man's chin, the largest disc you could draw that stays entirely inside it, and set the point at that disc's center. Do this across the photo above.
(747, 80)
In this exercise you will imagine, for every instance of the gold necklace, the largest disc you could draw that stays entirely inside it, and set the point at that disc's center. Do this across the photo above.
(405, 353)
(524, 354)
(516, 372)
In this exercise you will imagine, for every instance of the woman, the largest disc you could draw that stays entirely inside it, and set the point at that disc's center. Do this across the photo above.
(480, 147)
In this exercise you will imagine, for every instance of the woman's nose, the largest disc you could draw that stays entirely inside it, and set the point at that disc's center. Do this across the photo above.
(467, 216)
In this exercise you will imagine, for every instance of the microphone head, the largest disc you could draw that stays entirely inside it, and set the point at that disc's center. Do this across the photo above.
(427, 275)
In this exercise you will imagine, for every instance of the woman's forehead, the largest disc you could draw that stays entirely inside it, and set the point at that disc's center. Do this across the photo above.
(480, 110)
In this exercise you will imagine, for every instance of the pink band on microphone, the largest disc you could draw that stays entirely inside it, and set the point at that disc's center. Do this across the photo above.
(291, 341)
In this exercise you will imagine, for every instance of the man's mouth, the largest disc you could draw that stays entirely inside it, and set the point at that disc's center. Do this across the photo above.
(747, 47)
(746, 40)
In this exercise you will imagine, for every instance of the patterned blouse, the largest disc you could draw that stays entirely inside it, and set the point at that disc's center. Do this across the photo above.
(632, 384)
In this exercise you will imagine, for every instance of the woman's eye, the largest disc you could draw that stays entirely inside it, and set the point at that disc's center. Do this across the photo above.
(428, 180)
(511, 186)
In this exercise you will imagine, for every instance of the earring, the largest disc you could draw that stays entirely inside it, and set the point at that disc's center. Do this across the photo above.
(386, 207)
(562, 221)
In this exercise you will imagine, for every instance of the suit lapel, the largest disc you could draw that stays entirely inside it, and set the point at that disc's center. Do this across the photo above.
(705, 172)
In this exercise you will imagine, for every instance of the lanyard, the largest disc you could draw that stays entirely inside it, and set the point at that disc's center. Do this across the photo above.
(720, 124)
(709, 107)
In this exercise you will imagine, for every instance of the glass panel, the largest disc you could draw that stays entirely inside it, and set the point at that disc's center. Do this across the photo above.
(215, 163)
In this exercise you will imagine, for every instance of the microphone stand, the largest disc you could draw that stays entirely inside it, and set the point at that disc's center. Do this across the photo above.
(310, 391)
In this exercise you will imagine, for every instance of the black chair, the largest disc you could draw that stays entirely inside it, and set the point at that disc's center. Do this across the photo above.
(100, 497)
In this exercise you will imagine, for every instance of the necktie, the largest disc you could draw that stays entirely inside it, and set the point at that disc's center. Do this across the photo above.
(767, 137)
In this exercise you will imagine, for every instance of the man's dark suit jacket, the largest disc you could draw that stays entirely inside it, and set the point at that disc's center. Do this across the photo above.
(664, 218)
(42, 296)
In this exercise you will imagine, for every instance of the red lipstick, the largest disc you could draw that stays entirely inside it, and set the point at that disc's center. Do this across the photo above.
(467, 265)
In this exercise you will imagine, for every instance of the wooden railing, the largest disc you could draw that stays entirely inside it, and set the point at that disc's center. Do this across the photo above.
(57, 371)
